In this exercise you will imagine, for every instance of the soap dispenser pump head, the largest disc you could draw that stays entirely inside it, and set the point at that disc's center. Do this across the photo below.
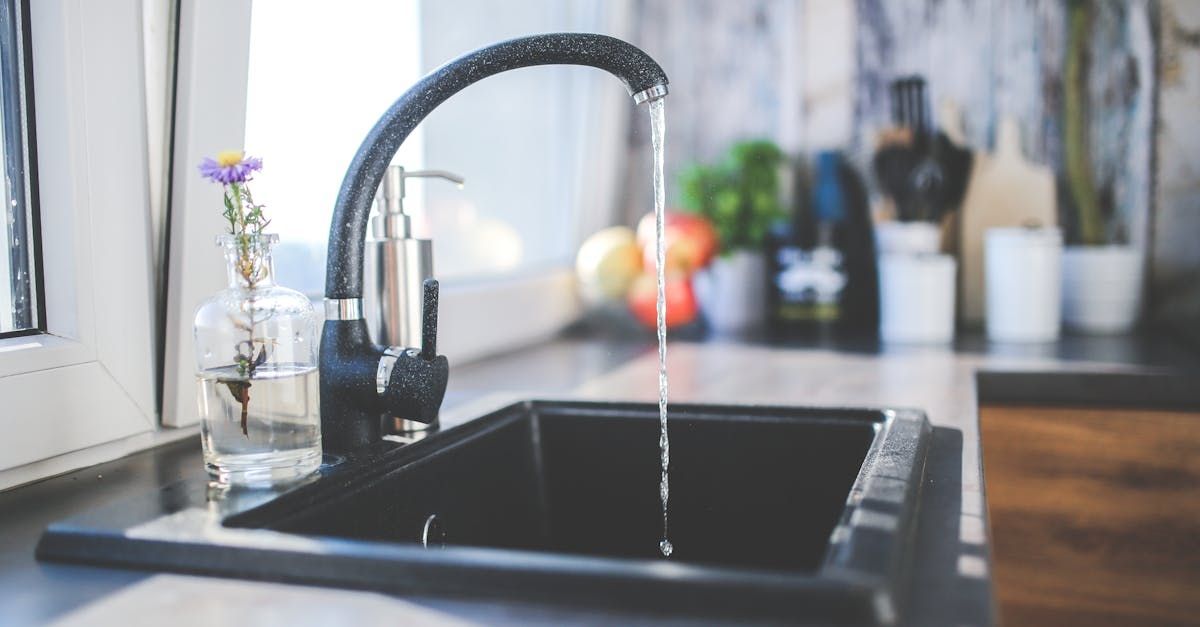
(393, 221)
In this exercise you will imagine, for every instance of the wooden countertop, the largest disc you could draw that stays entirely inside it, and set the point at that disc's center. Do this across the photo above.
(1095, 514)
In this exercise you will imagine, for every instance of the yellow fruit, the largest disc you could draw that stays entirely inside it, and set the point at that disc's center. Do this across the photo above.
(607, 263)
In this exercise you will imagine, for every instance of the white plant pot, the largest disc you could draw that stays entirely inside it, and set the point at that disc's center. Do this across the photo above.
(732, 291)
(1101, 288)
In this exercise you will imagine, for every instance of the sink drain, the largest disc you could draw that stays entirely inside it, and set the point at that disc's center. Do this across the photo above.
(433, 534)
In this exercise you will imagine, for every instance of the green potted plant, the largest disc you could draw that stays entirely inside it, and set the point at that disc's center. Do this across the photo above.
(740, 197)
(1101, 271)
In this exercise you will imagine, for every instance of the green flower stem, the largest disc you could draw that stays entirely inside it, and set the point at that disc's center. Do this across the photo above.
(240, 225)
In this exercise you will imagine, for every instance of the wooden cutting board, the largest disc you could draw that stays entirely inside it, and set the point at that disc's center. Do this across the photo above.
(1004, 190)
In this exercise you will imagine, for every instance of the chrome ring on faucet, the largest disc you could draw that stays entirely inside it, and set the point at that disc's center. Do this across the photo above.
(343, 309)
(654, 93)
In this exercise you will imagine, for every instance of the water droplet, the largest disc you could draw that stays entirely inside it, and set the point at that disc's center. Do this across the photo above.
(665, 547)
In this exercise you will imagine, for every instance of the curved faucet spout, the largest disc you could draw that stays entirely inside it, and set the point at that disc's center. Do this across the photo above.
(642, 76)
(360, 381)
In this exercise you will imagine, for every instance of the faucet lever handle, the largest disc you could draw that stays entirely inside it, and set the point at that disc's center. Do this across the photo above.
(429, 319)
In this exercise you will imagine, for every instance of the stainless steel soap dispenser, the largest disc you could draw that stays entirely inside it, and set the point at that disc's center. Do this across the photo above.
(400, 264)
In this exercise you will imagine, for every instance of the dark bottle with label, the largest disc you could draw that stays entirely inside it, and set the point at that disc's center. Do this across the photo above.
(821, 264)
(789, 305)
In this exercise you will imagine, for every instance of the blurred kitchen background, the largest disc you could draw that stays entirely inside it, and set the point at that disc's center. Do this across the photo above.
(928, 168)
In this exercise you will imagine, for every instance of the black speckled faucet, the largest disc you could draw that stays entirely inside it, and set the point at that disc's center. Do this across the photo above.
(360, 380)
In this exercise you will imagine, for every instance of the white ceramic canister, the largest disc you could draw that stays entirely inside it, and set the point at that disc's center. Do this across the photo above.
(1022, 270)
(916, 238)
(916, 298)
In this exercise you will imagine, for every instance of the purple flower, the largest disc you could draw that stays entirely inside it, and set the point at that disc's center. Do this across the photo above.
(230, 166)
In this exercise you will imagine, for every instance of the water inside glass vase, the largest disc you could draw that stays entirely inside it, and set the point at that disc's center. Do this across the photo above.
(256, 351)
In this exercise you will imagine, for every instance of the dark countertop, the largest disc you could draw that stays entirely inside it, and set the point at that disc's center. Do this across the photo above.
(32, 592)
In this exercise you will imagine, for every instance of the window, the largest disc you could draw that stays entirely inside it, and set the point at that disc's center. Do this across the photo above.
(79, 385)
(300, 85)
(319, 80)
(533, 144)
(18, 261)
(80, 373)
(308, 107)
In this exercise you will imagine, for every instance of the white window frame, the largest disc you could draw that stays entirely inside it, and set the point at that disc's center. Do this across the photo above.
(212, 64)
(477, 318)
(85, 390)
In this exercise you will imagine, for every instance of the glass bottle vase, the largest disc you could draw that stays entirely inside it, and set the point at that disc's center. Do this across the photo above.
(256, 367)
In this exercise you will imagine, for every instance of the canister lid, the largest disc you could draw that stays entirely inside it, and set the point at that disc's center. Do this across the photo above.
(1024, 236)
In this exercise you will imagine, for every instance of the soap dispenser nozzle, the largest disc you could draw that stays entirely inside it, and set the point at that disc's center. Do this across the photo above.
(393, 221)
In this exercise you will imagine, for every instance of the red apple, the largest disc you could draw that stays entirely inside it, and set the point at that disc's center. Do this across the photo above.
(691, 240)
(681, 300)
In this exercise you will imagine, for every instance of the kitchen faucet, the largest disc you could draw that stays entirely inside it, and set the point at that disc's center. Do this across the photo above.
(360, 381)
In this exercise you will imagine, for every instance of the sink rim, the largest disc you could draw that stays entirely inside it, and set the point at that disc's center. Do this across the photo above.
(867, 556)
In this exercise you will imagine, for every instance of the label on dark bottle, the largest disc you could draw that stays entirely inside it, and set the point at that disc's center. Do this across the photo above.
(809, 284)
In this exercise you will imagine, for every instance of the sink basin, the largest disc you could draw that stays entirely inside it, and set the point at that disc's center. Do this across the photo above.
(778, 512)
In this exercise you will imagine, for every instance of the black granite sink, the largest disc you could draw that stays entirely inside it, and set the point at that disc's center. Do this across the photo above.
(781, 512)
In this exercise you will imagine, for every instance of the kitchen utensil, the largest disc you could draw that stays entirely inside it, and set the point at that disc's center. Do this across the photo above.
(924, 173)
(897, 161)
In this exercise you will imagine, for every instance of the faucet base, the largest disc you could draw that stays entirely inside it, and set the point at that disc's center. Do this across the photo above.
(409, 429)
(352, 400)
